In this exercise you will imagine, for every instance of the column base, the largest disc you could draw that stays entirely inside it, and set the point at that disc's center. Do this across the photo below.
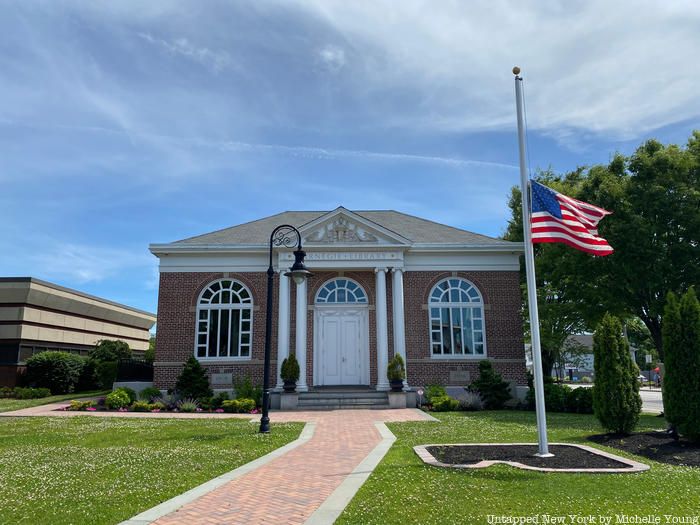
(383, 387)
(302, 388)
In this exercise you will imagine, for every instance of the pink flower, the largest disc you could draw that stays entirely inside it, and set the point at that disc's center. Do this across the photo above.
(91, 409)
(199, 409)
(122, 409)
(219, 410)
(254, 411)
(156, 410)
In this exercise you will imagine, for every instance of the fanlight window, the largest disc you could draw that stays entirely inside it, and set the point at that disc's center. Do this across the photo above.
(456, 319)
(224, 321)
(340, 291)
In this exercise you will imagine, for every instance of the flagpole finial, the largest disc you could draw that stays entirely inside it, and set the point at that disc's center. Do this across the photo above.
(516, 70)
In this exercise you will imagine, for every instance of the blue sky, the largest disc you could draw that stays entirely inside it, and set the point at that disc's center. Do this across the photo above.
(126, 123)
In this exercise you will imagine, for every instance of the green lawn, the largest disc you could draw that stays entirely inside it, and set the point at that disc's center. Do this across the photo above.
(404, 490)
(101, 470)
(7, 404)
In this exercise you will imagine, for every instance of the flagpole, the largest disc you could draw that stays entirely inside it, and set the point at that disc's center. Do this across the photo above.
(543, 449)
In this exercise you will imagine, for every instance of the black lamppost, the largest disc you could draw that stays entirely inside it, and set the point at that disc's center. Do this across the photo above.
(282, 236)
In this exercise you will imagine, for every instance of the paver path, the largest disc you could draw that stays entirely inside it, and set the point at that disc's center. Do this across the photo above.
(290, 488)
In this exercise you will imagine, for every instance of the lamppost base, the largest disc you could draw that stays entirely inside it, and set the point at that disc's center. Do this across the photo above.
(265, 425)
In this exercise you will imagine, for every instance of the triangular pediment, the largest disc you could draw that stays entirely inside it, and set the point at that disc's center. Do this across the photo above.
(341, 226)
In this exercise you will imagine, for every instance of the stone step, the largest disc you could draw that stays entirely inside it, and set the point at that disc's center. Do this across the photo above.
(343, 407)
(337, 400)
(343, 395)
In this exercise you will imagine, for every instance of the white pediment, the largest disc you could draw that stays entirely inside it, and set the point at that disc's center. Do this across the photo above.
(342, 226)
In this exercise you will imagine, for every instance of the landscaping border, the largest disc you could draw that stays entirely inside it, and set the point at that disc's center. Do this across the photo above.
(634, 466)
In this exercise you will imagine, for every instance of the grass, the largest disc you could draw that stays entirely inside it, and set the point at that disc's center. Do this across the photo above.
(101, 470)
(404, 490)
(8, 404)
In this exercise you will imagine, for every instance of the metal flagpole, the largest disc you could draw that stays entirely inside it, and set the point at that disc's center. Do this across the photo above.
(530, 273)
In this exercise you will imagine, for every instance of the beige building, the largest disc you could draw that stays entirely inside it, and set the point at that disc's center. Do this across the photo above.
(36, 316)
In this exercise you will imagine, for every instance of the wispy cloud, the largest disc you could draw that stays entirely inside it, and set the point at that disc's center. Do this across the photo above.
(216, 61)
(332, 58)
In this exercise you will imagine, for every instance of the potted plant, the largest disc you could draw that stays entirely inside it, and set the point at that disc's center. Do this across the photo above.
(290, 373)
(396, 373)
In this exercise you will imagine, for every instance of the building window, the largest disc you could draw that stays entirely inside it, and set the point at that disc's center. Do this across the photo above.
(456, 319)
(341, 291)
(224, 321)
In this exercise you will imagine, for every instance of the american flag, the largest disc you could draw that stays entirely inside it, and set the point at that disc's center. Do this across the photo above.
(558, 218)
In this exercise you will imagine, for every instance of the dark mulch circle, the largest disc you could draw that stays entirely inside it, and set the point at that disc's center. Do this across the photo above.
(564, 456)
(658, 446)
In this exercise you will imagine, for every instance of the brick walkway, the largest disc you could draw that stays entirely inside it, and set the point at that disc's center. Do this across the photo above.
(290, 488)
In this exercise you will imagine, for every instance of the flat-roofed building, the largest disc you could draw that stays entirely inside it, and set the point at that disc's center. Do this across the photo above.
(37, 315)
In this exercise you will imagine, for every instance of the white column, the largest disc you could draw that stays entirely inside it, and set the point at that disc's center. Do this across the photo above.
(301, 336)
(398, 311)
(282, 326)
(382, 330)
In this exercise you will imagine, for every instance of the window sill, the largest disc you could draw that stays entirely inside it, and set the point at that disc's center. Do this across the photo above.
(478, 357)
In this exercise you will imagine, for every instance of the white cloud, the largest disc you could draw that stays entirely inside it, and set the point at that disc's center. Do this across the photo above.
(215, 61)
(618, 68)
(332, 58)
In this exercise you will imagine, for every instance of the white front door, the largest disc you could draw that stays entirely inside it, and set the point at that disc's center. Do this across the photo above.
(342, 354)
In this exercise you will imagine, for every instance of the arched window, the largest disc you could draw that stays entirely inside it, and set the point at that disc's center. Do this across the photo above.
(341, 291)
(456, 319)
(224, 321)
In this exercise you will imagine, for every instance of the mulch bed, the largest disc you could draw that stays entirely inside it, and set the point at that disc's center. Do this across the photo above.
(658, 446)
(565, 457)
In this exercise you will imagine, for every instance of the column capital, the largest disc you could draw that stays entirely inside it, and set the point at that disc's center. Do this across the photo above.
(396, 269)
(382, 269)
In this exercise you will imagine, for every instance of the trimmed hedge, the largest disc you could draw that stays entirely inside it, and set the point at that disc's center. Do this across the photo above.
(241, 405)
(57, 371)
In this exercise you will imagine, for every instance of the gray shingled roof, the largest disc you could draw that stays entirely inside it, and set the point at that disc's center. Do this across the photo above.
(410, 227)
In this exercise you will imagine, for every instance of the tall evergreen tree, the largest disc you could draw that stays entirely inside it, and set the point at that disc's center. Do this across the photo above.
(681, 384)
(674, 382)
(616, 400)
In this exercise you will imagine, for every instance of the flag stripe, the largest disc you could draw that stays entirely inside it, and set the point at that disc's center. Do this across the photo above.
(583, 239)
(606, 251)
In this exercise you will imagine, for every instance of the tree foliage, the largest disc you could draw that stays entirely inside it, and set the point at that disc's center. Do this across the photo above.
(616, 400)
(192, 383)
(681, 385)
(110, 350)
(654, 195)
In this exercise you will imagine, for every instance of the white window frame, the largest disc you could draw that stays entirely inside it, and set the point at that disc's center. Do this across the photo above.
(477, 302)
(358, 286)
(246, 304)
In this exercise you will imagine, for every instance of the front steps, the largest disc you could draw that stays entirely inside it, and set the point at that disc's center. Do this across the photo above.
(334, 400)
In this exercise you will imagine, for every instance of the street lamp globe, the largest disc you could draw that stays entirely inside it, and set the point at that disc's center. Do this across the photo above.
(298, 271)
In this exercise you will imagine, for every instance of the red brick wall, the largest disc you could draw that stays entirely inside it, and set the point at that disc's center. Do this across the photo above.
(177, 300)
(502, 319)
(501, 291)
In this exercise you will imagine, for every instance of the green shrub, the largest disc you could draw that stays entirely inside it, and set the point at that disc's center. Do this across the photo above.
(157, 405)
(192, 383)
(241, 405)
(580, 400)
(129, 392)
(490, 385)
(187, 405)
(218, 400)
(586, 379)
(445, 404)
(117, 399)
(616, 400)
(57, 371)
(106, 373)
(681, 344)
(6, 391)
(434, 391)
(396, 370)
(290, 369)
(31, 393)
(472, 401)
(141, 406)
(246, 390)
(81, 405)
(556, 397)
(149, 393)
(89, 379)
(109, 350)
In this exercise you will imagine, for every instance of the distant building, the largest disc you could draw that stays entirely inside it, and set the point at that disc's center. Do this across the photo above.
(36, 316)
